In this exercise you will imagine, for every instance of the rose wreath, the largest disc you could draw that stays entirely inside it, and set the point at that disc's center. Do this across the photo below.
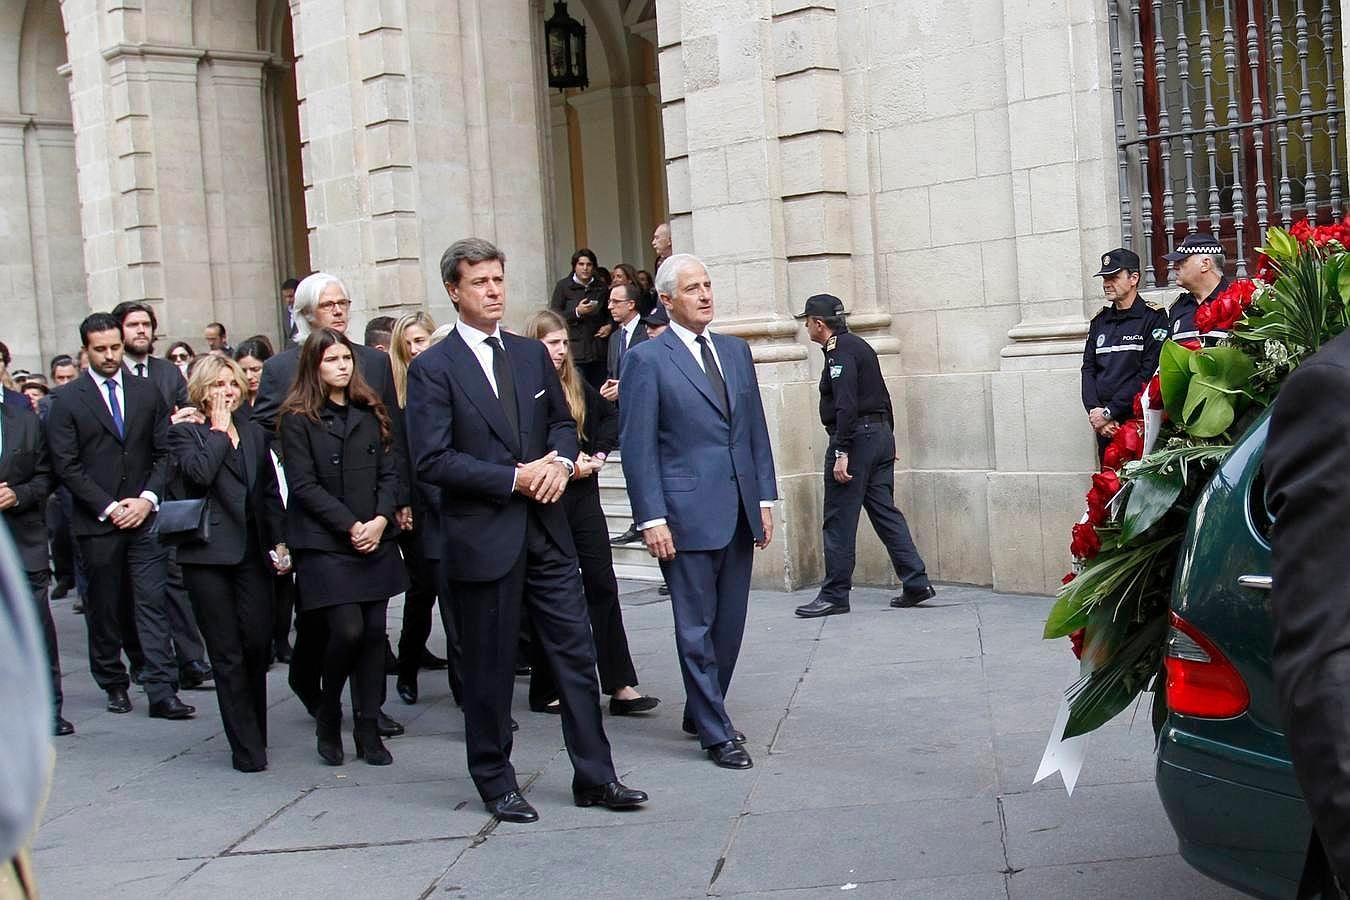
(1114, 605)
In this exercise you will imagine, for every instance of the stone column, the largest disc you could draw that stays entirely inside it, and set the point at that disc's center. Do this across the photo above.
(18, 306)
(54, 216)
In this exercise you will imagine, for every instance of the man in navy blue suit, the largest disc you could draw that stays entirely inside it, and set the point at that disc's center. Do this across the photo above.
(488, 425)
(700, 476)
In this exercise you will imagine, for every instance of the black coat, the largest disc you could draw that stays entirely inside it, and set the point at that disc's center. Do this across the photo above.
(279, 374)
(236, 492)
(166, 377)
(338, 473)
(567, 294)
(26, 468)
(1307, 458)
(601, 425)
(463, 445)
(95, 465)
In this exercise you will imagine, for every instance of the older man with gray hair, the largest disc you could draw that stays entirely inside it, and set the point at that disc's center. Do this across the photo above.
(1198, 262)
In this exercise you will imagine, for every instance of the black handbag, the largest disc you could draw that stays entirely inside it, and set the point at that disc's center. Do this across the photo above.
(181, 522)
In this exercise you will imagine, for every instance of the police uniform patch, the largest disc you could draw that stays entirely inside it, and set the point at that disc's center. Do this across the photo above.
(829, 345)
(1176, 326)
(1101, 340)
(836, 371)
(1160, 334)
(1106, 260)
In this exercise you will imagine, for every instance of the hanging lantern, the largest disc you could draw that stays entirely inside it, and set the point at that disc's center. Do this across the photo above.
(565, 39)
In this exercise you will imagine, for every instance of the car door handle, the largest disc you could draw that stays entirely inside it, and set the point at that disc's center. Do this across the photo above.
(1256, 582)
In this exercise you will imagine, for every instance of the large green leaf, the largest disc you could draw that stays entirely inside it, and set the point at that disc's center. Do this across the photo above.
(1125, 655)
(1151, 496)
(1174, 365)
(1280, 245)
(1217, 390)
(1066, 616)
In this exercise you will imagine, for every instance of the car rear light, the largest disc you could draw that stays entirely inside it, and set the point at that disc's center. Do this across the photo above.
(1201, 682)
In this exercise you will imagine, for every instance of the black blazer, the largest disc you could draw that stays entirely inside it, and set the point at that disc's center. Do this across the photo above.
(338, 473)
(237, 487)
(26, 468)
(567, 294)
(279, 374)
(615, 336)
(462, 444)
(602, 423)
(96, 465)
(166, 377)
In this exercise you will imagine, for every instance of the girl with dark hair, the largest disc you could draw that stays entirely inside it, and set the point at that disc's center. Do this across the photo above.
(181, 355)
(251, 354)
(338, 447)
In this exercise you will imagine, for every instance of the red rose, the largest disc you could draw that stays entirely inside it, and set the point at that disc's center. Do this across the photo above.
(1265, 269)
(1204, 317)
(1128, 444)
(1067, 578)
(1302, 231)
(1138, 405)
(1106, 485)
(1076, 639)
(1111, 457)
(1085, 544)
(1154, 392)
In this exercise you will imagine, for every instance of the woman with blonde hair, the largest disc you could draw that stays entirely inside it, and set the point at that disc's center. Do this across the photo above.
(421, 544)
(226, 460)
(597, 431)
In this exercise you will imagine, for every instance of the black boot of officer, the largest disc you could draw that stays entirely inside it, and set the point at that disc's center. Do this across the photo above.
(855, 408)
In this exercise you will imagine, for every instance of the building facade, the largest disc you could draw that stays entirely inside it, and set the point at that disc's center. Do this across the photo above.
(953, 169)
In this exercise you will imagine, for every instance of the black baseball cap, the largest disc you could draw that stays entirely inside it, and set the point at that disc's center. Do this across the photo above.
(822, 306)
(658, 316)
(1198, 244)
(1118, 259)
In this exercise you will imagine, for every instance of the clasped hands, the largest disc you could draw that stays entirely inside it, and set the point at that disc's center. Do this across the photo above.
(542, 480)
(1101, 424)
(131, 513)
(661, 544)
(366, 535)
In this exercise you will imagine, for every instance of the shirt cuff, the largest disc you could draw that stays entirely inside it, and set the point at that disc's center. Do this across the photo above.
(643, 526)
(108, 511)
(152, 497)
(767, 504)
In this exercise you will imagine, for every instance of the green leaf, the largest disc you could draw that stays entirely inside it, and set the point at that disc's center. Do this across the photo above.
(1129, 654)
(1151, 496)
(1280, 245)
(1066, 616)
(1174, 364)
(1216, 390)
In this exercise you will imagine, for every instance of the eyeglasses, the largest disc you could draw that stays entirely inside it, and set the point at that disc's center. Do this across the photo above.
(179, 357)
(330, 305)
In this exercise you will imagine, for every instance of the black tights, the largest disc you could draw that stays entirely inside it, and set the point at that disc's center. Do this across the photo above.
(355, 649)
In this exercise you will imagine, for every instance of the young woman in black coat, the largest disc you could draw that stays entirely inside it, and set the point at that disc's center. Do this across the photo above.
(598, 428)
(343, 480)
(582, 300)
(228, 577)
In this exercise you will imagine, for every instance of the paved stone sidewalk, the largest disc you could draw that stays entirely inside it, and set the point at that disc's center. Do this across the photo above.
(894, 752)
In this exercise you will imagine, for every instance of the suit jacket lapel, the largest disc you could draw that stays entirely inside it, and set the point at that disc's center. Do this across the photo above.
(685, 362)
(524, 392)
(92, 394)
(466, 370)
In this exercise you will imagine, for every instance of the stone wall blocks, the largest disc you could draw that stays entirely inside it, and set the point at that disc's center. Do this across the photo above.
(727, 114)
(679, 186)
(1047, 59)
(708, 177)
(392, 190)
(741, 50)
(917, 334)
(1042, 131)
(700, 17)
(810, 101)
(387, 98)
(735, 232)
(807, 275)
(927, 153)
(814, 162)
(1050, 266)
(978, 209)
(992, 153)
(950, 422)
(673, 119)
(970, 339)
(669, 22)
(816, 224)
(1053, 192)
(670, 62)
(748, 167)
(804, 38)
(382, 53)
(999, 264)
(902, 220)
(389, 144)
(934, 278)
(962, 503)
(963, 81)
(699, 56)
(373, 15)
(1017, 552)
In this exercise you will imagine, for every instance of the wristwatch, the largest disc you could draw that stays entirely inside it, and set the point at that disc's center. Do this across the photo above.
(840, 454)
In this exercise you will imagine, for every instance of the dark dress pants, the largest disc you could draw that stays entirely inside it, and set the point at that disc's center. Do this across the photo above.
(81, 571)
(418, 602)
(581, 502)
(283, 606)
(187, 640)
(545, 580)
(128, 565)
(450, 622)
(58, 529)
(38, 582)
(709, 593)
(872, 465)
(233, 606)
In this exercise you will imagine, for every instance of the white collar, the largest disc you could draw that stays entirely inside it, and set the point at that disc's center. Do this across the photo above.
(100, 378)
(689, 338)
(474, 337)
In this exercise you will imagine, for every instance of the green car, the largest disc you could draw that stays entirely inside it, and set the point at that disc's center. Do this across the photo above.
(1223, 772)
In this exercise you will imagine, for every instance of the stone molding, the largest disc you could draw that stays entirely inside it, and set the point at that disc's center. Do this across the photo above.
(1047, 337)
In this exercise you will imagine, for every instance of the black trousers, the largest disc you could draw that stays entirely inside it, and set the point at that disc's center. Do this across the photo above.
(187, 640)
(233, 606)
(418, 602)
(545, 580)
(63, 546)
(450, 622)
(283, 606)
(128, 566)
(872, 464)
(581, 501)
(38, 582)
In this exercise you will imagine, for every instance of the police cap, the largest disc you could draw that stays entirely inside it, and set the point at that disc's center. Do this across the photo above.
(1118, 259)
(1198, 244)
(656, 317)
(822, 306)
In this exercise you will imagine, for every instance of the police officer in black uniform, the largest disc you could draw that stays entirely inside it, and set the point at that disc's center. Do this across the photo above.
(1123, 343)
(1198, 263)
(859, 463)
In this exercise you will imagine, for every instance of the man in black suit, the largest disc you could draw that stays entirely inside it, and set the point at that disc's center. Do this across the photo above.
(322, 301)
(107, 434)
(25, 485)
(489, 426)
(1307, 492)
(629, 331)
(138, 343)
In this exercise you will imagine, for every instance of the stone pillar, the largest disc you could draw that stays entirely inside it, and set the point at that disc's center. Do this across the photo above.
(54, 216)
(1065, 206)
(18, 306)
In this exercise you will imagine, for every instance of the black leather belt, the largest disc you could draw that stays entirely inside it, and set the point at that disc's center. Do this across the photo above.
(873, 418)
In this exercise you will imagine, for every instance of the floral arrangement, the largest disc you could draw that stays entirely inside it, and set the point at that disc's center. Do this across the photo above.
(1113, 606)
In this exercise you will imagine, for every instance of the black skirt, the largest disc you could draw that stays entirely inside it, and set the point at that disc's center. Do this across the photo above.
(328, 578)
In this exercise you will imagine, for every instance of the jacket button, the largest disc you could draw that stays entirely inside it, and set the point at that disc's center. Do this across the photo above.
(336, 460)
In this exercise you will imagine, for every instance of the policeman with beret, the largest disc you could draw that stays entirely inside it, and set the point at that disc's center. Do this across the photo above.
(1124, 340)
(855, 408)
(1198, 264)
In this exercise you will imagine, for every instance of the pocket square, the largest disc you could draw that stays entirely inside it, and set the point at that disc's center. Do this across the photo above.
(540, 394)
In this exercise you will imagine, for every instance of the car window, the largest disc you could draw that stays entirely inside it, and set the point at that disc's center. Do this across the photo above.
(1257, 510)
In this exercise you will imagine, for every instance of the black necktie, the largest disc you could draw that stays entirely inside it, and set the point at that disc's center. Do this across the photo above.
(714, 375)
(140, 370)
(506, 388)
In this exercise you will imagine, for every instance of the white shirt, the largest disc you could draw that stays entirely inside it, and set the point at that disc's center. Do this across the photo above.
(101, 381)
(690, 340)
(131, 362)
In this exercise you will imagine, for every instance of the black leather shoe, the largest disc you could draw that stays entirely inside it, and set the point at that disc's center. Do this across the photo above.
(553, 708)
(730, 755)
(137, 675)
(329, 740)
(247, 765)
(194, 675)
(628, 537)
(511, 807)
(387, 727)
(407, 689)
(118, 701)
(664, 590)
(433, 662)
(632, 707)
(171, 708)
(913, 598)
(282, 651)
(368, 744)
(515, 726)
(820, 607)
(688, 728)
(611, 796)
(61, 727)
(62, 588)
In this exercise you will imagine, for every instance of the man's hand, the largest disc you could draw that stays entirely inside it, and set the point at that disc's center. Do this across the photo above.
(528, 473)
(610, 390)
(131, 513)
(403, 516)
(766, 520)
(841, 469)
(1097, 418)
(659, 542)
(187, 414)
(543, 480)
(1109, 429)
(282, 555)
(7, 496)
(603, 331)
